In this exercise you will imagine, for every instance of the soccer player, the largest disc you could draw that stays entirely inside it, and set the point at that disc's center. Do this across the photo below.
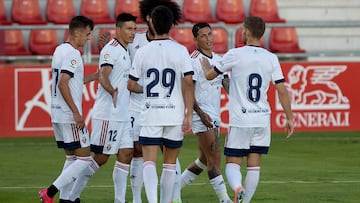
(206, 115)
(141, 39)
(166, 109)
(252, 70)
(110, 115)
(66, 110)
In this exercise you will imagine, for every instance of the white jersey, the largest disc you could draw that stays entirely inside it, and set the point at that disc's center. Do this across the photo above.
(115, 55)
(66, 59)
(162, 64)
(207, 93)
(252, 70)
(140, 40)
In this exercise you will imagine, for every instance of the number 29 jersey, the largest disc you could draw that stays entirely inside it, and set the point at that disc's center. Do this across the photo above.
(66, 59)
(162, 64)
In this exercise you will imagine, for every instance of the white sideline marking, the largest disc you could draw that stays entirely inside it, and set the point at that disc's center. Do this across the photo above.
(201, 184)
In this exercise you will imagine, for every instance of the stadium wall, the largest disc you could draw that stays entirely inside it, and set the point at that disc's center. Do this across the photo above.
(323, 94)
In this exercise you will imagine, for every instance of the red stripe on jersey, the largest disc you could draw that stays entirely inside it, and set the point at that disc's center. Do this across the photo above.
(114, 43)
(195, 54)
(104, 130)
(75, 132)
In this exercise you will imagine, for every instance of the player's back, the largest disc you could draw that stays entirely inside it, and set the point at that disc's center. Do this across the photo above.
(161, 64)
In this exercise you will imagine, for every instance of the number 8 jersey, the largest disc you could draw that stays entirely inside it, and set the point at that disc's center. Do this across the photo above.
(252, 70)
(66, 59)
(162, 64)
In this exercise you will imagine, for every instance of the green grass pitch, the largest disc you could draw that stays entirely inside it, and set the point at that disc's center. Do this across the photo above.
(317, 167)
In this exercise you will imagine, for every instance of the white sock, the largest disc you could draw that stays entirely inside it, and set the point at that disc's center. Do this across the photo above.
(120, 174)
(251, 182)
(167, 182)
(176, 195)
(233, 175)
(136, 178)
(71, 173)
(150, 181)
(66, 190)
(219, 186)
(82, 180)
(188, 177)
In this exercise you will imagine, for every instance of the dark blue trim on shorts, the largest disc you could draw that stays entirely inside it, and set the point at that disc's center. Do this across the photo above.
(160, 141)
(245, 152)
(68, 146)
(96, 149)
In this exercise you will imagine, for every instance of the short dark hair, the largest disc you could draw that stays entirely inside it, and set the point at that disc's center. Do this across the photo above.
(255, 25)
(162, 19)
(146, 7)
(80, 22)
(124, 17)
(198, 26)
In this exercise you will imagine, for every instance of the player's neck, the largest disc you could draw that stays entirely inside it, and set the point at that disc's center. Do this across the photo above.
(162, 36)
(253, 42)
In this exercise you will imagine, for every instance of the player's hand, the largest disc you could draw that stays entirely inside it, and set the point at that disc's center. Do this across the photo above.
(289, 127)
(206, 119)
(79, 120)
(187, 124)
(205, 65)
(104, 38)
(114, 96)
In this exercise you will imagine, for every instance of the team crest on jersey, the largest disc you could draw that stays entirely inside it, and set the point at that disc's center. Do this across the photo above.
(108, 147)
(83, 140)
(124, 57)
(147, 105)
(106, 57)
(73, 63)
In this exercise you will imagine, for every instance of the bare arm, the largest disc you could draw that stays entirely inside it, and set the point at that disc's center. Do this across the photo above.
(63, 85)
(285, 103)
(208, 69)
(106, 84)
(225, 83)
(188, 94)
(133, 86)
(91, 77)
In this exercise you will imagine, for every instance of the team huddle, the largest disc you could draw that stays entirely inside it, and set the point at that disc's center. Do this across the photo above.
(150, 93)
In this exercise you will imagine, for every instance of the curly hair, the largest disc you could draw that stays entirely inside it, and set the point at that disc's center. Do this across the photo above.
(146, 6)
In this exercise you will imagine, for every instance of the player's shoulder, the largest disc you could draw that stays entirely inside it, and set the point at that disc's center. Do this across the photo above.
(195, 54)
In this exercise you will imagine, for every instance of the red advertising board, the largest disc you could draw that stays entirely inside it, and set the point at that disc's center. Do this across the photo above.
(323, 95)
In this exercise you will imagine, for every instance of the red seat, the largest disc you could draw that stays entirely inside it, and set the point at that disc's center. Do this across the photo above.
(128, 6)
(197, 11)
(26, 12)
(3, 18)
(94, 49)
(43, 42)
(284, 40)
(266, 9)
(183, 36)
(230, 11)
(220, 40)
(98, 10)
(60, 11)
(239, 39)
(14, 44)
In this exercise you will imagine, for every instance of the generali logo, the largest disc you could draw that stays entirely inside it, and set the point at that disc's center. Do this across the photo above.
(317, 101)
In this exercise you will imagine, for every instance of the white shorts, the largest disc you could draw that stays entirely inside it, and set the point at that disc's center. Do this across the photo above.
(107, 137)
(198, 126)
(169, 136)
(69, 137)
(135, 125)
(242, 141)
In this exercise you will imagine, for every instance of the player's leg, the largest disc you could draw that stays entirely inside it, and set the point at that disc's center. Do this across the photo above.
(122, 164)
(260, 145)
(210, 147)
(237, 146)
(136, 165)
(172, 141)
(150, 139)
(76, 141)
